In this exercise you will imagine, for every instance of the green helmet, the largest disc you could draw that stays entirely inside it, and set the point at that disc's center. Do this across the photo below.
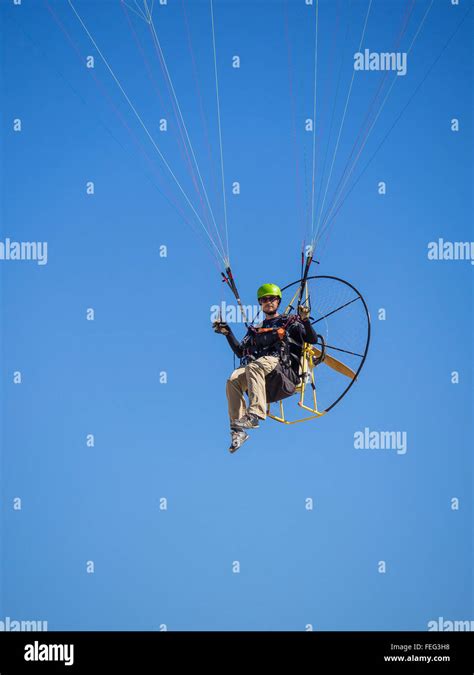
(268, 289)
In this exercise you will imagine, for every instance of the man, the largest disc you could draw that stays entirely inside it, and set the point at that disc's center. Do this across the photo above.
(277, 343)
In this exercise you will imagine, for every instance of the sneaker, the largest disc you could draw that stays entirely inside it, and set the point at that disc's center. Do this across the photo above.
(248, 421)
(238, 439)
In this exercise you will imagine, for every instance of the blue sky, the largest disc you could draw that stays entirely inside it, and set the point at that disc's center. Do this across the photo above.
(298, 567)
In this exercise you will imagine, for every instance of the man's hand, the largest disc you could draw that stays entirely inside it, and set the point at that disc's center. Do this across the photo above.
(221, 327)
(303, 312)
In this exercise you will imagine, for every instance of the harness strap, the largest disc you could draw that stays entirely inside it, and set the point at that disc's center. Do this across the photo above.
(282, 334)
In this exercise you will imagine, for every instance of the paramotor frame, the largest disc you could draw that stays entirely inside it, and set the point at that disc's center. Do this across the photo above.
(314, 358)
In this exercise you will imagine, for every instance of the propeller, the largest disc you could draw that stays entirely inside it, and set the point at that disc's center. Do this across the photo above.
(335, 364)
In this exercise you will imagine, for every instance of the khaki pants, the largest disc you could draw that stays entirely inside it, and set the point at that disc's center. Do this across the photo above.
(250, 379)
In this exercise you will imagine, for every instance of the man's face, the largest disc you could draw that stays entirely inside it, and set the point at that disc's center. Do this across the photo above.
(269, 304)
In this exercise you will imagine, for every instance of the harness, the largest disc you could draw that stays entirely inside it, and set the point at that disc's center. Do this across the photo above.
(265, 338)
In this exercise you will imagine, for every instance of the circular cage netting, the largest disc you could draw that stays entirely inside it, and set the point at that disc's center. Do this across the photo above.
(340, 316)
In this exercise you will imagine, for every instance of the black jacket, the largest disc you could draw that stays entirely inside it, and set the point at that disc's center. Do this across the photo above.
(254, 346)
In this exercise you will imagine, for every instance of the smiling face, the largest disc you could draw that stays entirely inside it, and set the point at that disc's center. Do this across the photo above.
(270, 304)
